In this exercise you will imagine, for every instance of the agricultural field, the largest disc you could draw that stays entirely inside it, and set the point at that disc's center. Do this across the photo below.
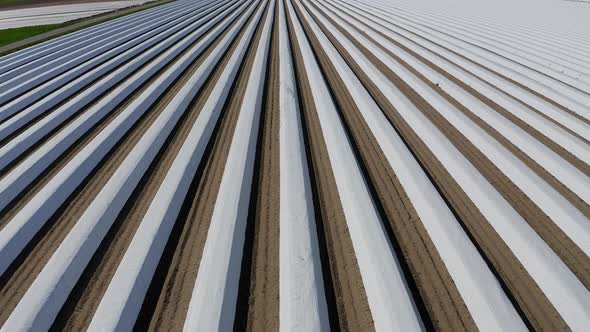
(301, 165)
(55, 14)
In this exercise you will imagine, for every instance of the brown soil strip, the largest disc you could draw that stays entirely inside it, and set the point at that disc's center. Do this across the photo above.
(519, 285)
(486, 49)
(85, 298)
(56, 86)
(353, 309)
(77, 25)
(537, 94)
(258, 307)
(574, 160)
(80, 89)
(435, 287)
(18, 278)
(566, 155)
(20, 201)
(13, 208)
(72, 117)
(170, 293)
(568, 251)
(21, 274)
(64, 123)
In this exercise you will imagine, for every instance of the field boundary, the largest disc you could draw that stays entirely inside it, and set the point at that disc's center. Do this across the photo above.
(76, 25)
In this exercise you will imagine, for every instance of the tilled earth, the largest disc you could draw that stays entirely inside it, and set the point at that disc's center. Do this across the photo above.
(297, 165)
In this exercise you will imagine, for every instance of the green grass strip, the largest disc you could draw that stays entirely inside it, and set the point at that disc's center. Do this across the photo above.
(9, 36)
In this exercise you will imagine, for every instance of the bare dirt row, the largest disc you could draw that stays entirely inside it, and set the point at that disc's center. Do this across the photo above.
(543, 225)
(78, 311)
(439, 303)
(352, 307)
(84, 299)
(259, 302)
(527, 294)
(170, 296)
(441, 298)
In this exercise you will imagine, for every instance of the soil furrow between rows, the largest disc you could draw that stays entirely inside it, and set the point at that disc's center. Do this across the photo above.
(435, 286)
(571, 254)
(24, 270)
(261, 312)
(520, 285)
(503, 77)
(83, 302)
(170, 293)
(353, 310)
